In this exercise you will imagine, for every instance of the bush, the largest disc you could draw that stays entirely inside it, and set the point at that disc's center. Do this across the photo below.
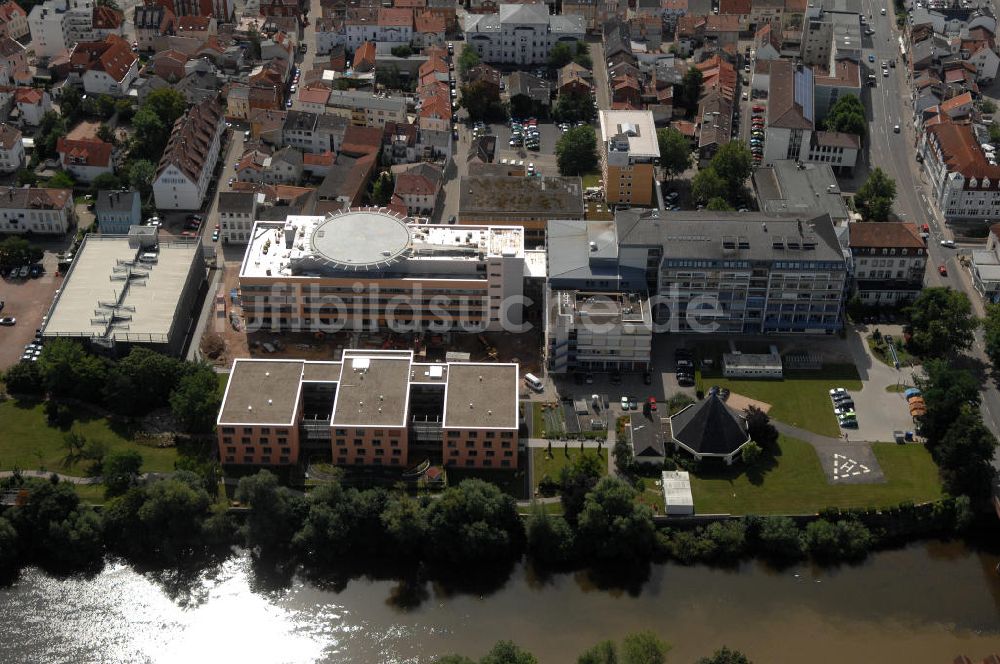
(778, 537)
(58, 414)
(550, 539)
(834, 541)
(24, 378)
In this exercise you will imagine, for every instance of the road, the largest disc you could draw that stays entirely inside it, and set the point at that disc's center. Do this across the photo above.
(889, 105)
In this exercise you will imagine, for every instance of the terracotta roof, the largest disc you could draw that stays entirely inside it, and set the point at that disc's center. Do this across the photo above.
(361, 140)
(361, 16)
(9, 136)
(9, 47)
(436, 107)
(85, 151)
(106, 18)
(888, 234)
(412, 183)
(28, 96)
(734, 7)
(837, 139)
(316, 95)
(117, 59)
(957, 101)
(429, 22)
(324, 159)
(961, 152)
(845, 72)
(191, 139)
(10, 10)
(194, 23)
(719, 23)
(364, 57)
(784, 109)
(21, 198)
(395, 17)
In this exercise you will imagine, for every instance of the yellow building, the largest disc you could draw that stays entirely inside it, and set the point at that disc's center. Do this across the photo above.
(628, 158)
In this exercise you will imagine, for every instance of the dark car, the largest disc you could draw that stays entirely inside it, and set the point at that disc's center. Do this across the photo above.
(647, 377)
(685, 380)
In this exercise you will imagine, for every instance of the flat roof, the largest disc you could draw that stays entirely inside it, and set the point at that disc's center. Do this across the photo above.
(785, 187)
(262, 392)
(501, 196)
(481, 396)
(361, 238)
(374, 390)
(322, 372)
(637, 125)
(677, 489)
(108, 278)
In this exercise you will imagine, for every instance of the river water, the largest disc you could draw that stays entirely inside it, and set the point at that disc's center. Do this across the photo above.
(923, 604)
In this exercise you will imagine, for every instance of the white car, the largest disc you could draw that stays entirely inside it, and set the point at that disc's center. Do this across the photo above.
(948, 243)
(624, 403)
(837, 391)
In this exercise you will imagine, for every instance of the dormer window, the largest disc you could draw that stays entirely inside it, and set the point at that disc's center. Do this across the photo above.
(986, 183)
(973, 183)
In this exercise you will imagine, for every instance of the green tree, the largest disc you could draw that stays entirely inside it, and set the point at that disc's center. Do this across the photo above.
(276, 514)
(61, 180)
(24, 378)
(402, 51)
(482, 101)
(506, 652)
(691, 90)
(582, 55)
(708, 185)
(107, 134)
(68, 370)
(71, 103)
(155, 120)
(760, 429)
(121, 472)
(987, 106)
(733, 163)
(941, 322)
(73, 443)
(560, 55)
(142, 380)
(842, 540)
(725, 656)
(55, 530)
(875, 197)
(612, 526)
(751, 454)
(473, 521)
(644, 648)
(574, 106)
(405, 522)
(26, 177)
(195, 402)
(105, 181)
(576, 151)
(576, 480)
(382, 188)
(16, 251)
(779, 538)
(51, 128)
(946, 390)
(847, 115)
(549, 538)
(965, 454)
(467, 60)
(341, 523)
(991, 334)
(719, 204)
(675, 151)
(141, 174)
(604, 652)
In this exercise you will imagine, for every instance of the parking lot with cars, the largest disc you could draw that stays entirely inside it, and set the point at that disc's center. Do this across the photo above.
(25, 301)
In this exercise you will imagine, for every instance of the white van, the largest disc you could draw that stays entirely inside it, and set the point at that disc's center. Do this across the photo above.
(533, 382)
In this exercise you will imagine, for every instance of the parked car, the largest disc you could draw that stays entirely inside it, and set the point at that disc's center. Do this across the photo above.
(8, 321)
(948, 243)
(624, 403)
(651, 404)
(838, 391)
(942, 270)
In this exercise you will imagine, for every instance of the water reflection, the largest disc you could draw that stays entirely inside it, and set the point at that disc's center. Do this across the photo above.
(925, 603)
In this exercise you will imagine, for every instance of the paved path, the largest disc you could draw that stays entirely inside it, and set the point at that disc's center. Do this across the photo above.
(72, 479)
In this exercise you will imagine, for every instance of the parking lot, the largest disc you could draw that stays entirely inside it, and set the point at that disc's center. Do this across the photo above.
(27, 300)
(544, 158)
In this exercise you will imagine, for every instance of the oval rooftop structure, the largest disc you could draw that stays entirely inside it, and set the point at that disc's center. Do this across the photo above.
(361, 239)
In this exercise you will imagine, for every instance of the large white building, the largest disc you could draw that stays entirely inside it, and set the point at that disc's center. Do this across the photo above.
(186, 167)
(521, 34)
(58, 24)
(371, 268)
(594, 331)
(964, 176)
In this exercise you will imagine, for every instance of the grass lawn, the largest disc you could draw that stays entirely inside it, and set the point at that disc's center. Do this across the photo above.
(591, 179)
(554, 508)
(542, 416)
(27, 441)
(798, 485)
(802, 399)
(561, 458)
(90, 493)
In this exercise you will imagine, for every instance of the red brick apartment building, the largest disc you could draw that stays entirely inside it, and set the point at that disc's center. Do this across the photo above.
(373, 408)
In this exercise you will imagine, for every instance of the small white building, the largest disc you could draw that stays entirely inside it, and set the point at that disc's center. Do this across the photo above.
(11, 149)
(237, 213)
(752, 365)
(183, 175)
(677, 493)
(41, 211)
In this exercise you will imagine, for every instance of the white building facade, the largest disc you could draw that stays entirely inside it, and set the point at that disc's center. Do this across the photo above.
(521, 34)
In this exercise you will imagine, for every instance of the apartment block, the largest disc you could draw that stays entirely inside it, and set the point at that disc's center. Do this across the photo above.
(889, 261)
(521, 34)
(184, 171)
(629, 155)
(34, 210)
(739, 273)
(371, 408)
(366, 109)
(372, 268)
(964, 177)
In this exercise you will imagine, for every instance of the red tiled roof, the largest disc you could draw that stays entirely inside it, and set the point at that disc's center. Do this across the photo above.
(361, 140)
(118, 58)
(888, 234)
(191, 139)
(318, 95)
(9, 136)
(427, 21)
(28, 96)
(741, 7)
(106, 18)
(324, 159)
(364, 56)
(395, 16)
(955, 102)
(961, 152)
(413, 184)
(9, 10)
(194, 23)
(86, 151)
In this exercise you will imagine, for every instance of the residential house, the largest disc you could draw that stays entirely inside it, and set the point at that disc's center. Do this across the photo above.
(889, 260)
(486, 76)
(168, 65)
(985, 267)
(35, 210)
(105, 67)
(83, 155)
(366, 109)
(185, 169)
(767, 42)
(738, 8)
(13, 21)
(429, 29)
(237, 214)
(574, 79)
(32, 104)
(106, 21)
(152, 22)
(116, 211)
(15, 61)
(843, 79)
(330, 33)
(400, 142)
(528, 94)
(284, 167)
(11, 149)
(56, 25)
(315, 133)
(360, 25)
(395, 25)
(416, 189)
(196, 27)
(964, 177)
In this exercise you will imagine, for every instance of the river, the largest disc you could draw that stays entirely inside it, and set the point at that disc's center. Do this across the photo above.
(926, 603)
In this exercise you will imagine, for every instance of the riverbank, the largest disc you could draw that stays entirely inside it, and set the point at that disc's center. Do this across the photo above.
(924, 604)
